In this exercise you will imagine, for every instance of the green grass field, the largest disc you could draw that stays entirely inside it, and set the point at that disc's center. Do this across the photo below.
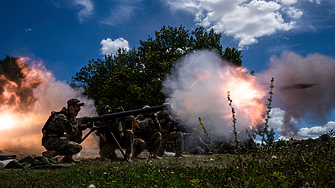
(284, 166)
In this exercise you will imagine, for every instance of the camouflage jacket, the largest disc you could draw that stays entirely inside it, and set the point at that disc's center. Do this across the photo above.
(163, 120)
(142, 122)
(61, 123)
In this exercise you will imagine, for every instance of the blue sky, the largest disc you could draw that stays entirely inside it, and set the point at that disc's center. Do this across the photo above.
(66, 34)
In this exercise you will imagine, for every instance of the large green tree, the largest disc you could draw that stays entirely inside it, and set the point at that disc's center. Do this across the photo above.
(134, 78)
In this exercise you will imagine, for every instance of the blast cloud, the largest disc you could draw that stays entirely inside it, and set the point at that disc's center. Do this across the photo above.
(304, 86)
(304, 89)
(199, 89)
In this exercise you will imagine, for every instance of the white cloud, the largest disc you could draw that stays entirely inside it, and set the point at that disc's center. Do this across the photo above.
(315, 132)
(316, 1)
(287, 2)
(245, 20)
(109, 46)
(122, 11)
(87, 8)
(294, 12)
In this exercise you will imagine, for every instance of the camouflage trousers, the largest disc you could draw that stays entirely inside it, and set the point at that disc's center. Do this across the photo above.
(176, 137)
(152, 144)
(126, 141)
(65, 145)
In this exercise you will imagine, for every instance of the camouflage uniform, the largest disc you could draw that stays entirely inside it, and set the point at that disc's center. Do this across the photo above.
(55, 139)
(123, 134)
(147, 135)
(171, 135)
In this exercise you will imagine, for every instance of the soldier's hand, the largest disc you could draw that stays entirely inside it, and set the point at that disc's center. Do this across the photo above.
(121, 109)
(72, 113)
(88, 125)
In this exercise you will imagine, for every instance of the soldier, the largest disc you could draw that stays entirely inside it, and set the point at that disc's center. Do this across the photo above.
(54, 139)
(123, 134)
(147, 135)
(169, 132)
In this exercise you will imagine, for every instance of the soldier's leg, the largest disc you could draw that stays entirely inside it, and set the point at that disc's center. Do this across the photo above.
(163, 144)
(63, 146)
(138, 147)
(107, 151)
(127, 141)
(154, 144)
(178, 138)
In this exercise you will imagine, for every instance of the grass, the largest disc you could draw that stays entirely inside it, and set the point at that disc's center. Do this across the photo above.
(282, 166)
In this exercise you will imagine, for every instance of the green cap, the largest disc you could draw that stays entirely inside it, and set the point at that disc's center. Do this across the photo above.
(74, 101)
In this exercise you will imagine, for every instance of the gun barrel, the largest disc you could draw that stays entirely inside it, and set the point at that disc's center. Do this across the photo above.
(134, 112)
(123, 114)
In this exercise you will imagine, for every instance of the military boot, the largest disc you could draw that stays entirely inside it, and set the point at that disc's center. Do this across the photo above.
(155, 156)
(128, 157)
(51, 153)
(68, 159)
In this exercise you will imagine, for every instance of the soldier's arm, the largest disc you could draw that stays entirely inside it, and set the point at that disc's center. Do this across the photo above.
(69, 126)
(156, 124)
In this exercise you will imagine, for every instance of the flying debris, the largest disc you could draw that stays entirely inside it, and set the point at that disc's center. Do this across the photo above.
(299, 86)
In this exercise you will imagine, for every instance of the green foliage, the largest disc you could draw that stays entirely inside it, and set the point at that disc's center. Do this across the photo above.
(234, 119)
(209, 140)
(268, 135)
(133, 78)
(250, 144)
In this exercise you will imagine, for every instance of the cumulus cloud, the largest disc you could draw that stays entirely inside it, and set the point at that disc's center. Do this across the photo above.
(111, 46)
(86, 9)
(294, 13)
(243, 19)
(315, 132)
(287, 2)
(312, 132)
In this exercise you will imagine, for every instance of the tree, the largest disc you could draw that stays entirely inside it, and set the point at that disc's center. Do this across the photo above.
(134, 78)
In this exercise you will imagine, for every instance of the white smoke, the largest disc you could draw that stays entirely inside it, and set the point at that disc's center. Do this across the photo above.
(304, 87)
(199, 89)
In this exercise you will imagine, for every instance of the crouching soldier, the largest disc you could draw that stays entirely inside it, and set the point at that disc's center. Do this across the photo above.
(55, 141)
(169, 133)
(121, 128)
(147, 135)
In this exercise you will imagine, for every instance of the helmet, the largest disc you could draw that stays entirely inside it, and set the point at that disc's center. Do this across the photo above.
(103, 109)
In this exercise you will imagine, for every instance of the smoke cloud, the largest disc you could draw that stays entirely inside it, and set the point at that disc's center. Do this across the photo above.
(304, 87)
(199, 89)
